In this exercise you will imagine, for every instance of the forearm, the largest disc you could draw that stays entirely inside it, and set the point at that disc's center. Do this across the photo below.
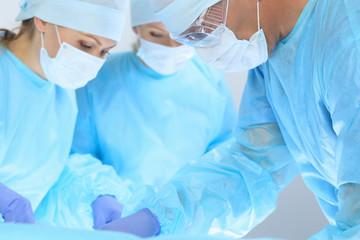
(84, 179)
(232, 188)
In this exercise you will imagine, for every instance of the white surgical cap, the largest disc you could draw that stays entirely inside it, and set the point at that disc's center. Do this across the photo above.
(104, 18)
(141, 13)
(178, 15)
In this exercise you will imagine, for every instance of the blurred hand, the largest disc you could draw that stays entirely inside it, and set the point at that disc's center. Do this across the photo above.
(15, 208)
(105, 210)
(142, 224)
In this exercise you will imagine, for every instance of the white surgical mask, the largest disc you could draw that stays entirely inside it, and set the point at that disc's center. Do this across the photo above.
(233, 55)
(71, 68)
(162, 59)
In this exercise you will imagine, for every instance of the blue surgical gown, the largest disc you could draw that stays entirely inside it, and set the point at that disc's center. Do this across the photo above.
(142, 122)
(299, 112)
(37, 120)
(36, 232)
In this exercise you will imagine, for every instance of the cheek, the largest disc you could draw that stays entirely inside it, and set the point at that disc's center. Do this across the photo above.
(159, 41)
(147, 37)
(52, 46)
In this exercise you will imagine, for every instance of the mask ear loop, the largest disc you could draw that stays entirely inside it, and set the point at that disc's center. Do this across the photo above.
(258, 14)
(139, 36)
(226, 11)
(58, 35)
(42, 39)
(138, 32)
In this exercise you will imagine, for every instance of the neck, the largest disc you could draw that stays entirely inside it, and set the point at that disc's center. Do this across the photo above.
(28, 51)
(279, 18)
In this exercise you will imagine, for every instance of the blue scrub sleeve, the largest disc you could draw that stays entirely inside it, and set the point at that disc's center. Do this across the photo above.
(235, 186)
(85, 137)
(68, 203)
(349, 206)
(342, 96)
(334, 233)
(228, 120)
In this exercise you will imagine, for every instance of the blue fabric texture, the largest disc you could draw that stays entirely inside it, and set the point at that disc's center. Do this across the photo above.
(37, 121)
(300, 110)
(36, 232)
(98, 17)
(334, 233)
(36, 126)
(141, 122)
(68, 202)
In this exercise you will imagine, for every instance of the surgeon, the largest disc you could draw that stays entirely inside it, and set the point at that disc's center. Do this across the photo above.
(300, 113)
(61, 46)
(157, 107)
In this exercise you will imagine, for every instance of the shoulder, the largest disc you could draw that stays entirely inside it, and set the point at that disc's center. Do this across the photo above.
(114, 71)
(7, 66)
(211, 73)
(116, 64)
(4, 57)
(337, 41)
(339, 22)
(117, 60)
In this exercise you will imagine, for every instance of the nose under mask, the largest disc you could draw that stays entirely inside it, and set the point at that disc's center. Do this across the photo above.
(71, 68)
(233, 55)
(162, 59)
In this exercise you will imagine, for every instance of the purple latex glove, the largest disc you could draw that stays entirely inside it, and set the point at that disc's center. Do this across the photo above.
(105, 210)
(142, 224)
(14, 207)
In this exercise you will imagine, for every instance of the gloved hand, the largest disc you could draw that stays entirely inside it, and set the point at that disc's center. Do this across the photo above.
(14, 207)
(142, 224)
(105, 210)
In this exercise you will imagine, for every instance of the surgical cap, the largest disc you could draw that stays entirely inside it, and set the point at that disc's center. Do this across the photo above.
(178, 15)
(104, 18)
(141, 13)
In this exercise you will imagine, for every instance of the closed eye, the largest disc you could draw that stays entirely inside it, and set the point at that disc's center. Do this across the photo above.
(104, 53)
(157, 35)
(83, 45)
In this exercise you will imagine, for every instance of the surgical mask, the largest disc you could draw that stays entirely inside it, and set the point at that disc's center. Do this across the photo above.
(71, 68)
(233, 55)
(220, 48)
(162, 59)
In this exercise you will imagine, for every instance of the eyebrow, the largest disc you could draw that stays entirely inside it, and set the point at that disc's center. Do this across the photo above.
(92, 38)
(98, 41)
(165, 30)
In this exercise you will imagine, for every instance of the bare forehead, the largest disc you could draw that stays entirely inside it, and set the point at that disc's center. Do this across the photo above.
(156, 26)
(101, 41)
